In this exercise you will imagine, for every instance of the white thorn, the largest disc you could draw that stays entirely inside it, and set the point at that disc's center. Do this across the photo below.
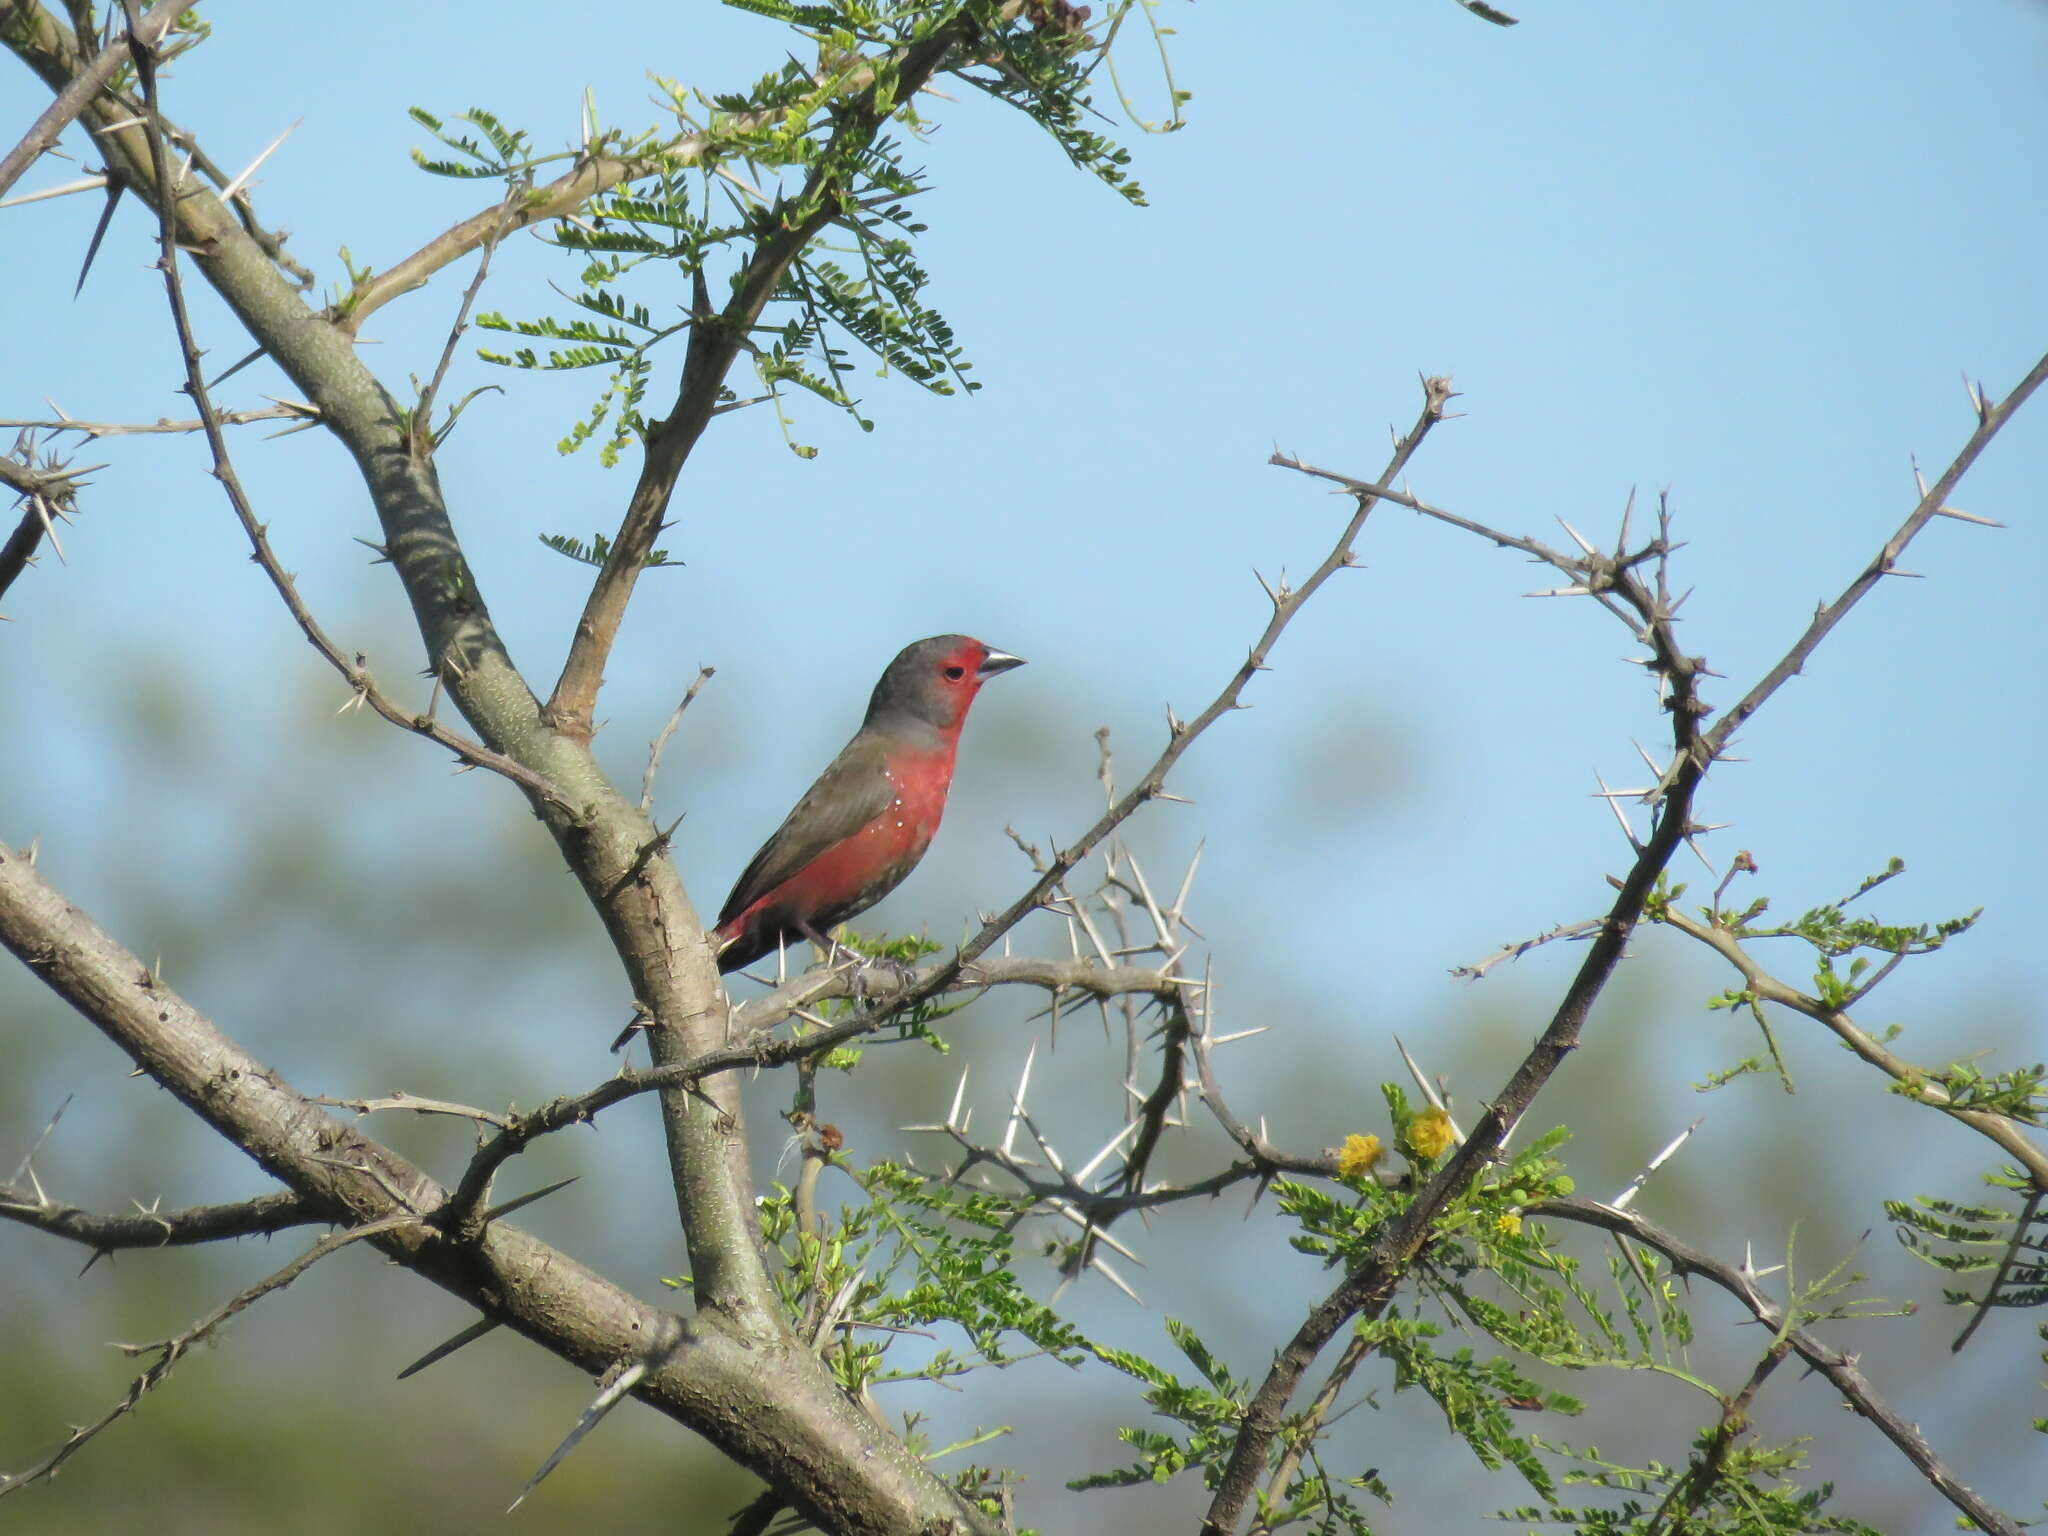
(87, 184)
(227, 193)
(959, 1092)
(1017, 1098)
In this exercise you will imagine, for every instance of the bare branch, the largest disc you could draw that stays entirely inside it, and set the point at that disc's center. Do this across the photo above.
(1520, 947)
(660, 742)
(352, 668)
(887, 992)
(285, 410)
(1930, 506)
(151, 1228)
(70, 101)
(170, 1351)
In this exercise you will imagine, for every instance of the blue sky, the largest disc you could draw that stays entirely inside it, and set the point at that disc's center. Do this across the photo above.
(1746, 253)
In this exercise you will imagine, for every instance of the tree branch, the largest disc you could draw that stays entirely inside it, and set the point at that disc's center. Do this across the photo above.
(1933, 503)
(715, 342)
(2002, 1131)
(72, 99)
(1614, 582)
(767, 1403)
(258, 1217)
(357, 674)
(170, 1351)
(1840, 1369)
(48, 492)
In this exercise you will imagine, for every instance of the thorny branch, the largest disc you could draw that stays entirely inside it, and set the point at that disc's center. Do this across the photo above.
(352, 668)
(29, 1205)
(48, 492)
(284, 410)
(170, 1351)
(1840, 1369)
(883, 987)
(966, 964)
(70, 101)
(1921, 1085)
(1650, 612)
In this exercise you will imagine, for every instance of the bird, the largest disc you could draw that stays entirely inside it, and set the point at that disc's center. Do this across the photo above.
(863, 826)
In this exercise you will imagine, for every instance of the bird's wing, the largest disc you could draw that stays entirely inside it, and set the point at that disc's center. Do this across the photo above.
(848, 795)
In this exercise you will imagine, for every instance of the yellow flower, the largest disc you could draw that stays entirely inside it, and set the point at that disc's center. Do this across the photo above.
(1357, 1155)
(1508, 1224)
(1429, 1134)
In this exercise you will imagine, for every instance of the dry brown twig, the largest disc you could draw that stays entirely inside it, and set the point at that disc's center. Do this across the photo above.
(170, 1351)
(296, 411)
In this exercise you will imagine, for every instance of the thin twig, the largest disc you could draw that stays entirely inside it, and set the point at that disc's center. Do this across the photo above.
(660, 742)
(284, 410)
(1922, 1086)
(1520, 947)
(473, 753)
(1838, 1368)
(1932, 504)
(2029, 1209)
(170, 1351)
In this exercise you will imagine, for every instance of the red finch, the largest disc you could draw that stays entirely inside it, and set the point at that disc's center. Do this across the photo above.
(868, 820)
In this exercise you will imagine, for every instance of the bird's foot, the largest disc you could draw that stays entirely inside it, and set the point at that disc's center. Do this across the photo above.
(901, 976)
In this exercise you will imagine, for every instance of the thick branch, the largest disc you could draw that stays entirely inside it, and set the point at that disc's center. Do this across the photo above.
(765, 1402)
(643, 905)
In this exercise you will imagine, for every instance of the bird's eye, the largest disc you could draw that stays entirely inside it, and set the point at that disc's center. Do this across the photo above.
(954, 674)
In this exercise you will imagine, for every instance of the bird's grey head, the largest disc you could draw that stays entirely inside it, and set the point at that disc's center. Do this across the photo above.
(932, 682)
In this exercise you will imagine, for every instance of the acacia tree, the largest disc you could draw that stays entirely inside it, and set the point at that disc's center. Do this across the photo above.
(785, 208)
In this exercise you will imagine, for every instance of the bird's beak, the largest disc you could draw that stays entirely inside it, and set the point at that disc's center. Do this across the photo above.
(997, 661)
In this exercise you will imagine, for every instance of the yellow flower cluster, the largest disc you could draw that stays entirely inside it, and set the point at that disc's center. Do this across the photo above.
(1357, 1155)
(1429, 1134)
